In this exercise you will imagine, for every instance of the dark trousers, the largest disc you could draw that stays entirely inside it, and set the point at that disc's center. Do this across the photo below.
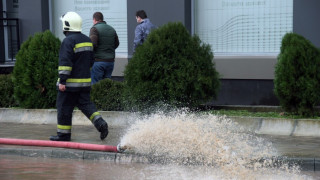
(67, 101)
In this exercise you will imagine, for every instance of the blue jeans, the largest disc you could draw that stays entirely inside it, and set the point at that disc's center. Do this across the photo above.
(101, 70)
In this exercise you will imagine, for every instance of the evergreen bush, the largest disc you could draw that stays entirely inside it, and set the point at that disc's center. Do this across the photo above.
(297, 75)
(6, 89)
(171, 67)
(108, 95)
(36, 71)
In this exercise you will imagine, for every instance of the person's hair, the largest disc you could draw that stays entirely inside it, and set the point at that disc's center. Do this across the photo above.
(98, 16)
(142, 14)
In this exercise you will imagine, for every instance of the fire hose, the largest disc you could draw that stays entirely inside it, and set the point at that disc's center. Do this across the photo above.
(62, 144)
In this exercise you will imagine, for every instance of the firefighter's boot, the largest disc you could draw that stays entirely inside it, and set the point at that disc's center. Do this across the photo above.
(102, 126)
(61, 137)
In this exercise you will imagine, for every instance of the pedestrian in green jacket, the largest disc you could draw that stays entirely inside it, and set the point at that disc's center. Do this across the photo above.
(105, 41)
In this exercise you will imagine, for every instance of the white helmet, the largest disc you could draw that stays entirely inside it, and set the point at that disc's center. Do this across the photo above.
(71, 21)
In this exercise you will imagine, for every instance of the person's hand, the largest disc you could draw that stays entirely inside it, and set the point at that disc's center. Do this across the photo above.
(62, 87)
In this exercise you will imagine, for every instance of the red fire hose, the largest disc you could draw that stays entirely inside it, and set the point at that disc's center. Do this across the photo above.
(61, 144)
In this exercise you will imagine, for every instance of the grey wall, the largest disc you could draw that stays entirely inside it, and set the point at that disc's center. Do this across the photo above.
(246, 92)
(159, 12)
(246, 67)
(306, 21)
(2, 56)
(34, 17)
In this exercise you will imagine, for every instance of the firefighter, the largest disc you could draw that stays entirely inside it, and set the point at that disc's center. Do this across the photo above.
(74, 84)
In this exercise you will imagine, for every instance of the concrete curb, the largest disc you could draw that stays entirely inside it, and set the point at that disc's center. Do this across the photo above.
(306, 164)
(74, 154)
(49, 116)
(273, 126)
(278, 126)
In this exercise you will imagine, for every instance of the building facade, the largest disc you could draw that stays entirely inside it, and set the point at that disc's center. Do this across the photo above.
(245, 35)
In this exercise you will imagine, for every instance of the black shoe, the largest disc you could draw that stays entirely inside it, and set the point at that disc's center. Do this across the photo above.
(104, 131)
(61, 137)
(102, 126)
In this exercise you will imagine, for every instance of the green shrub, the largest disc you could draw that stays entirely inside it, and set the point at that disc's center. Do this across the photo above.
(6, 89)
(171, 67)
(107, 95)
(297, 75)
(36, 71)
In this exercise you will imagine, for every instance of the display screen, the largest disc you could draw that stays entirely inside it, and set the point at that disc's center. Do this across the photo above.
(248, 27)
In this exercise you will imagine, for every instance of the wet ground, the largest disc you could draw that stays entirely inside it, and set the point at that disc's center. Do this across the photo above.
(82, 134)
(22, 167)
(30, 168)
(307, 147)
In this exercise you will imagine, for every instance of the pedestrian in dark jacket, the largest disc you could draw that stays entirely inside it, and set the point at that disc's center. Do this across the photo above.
(105, 41)
(74, 83)
(143, 28)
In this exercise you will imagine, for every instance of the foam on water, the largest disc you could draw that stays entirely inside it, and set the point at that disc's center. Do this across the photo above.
(215, 144)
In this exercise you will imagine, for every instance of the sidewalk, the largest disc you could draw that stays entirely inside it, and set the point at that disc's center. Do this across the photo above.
(40, 124)
(271, 126)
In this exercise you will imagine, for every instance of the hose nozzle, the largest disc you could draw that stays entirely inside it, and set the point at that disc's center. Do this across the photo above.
(120, 148)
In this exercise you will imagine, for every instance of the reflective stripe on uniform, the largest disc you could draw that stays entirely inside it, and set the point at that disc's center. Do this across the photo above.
(77, 82)
(64, 128)
(65, 131)
(86, 80)
(65, 70)
(87, 46)
(95, 116)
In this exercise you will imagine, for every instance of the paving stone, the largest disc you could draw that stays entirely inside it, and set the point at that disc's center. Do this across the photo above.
(100, 156)
(10, 151)
(36, 152)
(129, 158)
(67, 154)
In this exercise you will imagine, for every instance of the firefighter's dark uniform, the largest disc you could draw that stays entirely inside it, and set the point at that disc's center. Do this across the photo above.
(75, 60)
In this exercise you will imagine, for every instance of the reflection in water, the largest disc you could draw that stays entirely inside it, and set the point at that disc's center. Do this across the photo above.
(31, 168)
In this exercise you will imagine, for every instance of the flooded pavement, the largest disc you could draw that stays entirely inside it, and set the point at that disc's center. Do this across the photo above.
(295, 146)
(180, 146)
(80, 133)
(286, 145)
(30, 168)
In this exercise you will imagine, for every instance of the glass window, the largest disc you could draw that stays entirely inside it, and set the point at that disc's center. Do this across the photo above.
(243, 27)
(114, 12)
